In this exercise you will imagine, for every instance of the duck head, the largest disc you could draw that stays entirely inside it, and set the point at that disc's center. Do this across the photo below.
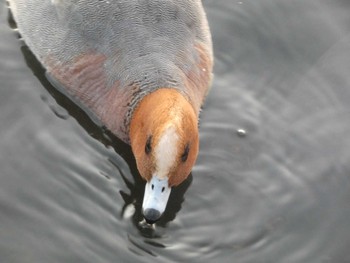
(164, 140)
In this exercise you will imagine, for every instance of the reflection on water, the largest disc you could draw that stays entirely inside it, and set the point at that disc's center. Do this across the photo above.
(272, 179)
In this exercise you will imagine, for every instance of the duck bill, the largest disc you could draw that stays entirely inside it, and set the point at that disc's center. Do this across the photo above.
(155, 199)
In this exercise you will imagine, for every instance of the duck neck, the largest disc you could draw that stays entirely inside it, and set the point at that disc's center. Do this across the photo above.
(162, 108)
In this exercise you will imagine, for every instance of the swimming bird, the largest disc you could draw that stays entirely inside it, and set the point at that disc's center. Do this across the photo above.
(141, 67)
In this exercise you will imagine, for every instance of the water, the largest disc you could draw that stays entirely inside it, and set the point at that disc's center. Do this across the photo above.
(272, 180)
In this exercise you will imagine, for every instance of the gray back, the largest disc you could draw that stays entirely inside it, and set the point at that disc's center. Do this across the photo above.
(148, 43)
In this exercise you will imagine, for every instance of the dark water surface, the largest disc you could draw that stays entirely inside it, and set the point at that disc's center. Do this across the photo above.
(70, 192)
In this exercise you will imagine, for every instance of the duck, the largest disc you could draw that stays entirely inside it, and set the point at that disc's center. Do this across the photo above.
(143, 68)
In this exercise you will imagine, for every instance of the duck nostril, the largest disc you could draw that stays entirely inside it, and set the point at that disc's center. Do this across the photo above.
(163, 189)
(152, 186)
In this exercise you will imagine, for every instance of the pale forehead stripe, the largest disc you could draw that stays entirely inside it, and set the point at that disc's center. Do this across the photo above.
(166, 151)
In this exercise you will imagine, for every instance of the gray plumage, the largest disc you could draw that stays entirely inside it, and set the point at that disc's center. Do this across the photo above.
(144, 45)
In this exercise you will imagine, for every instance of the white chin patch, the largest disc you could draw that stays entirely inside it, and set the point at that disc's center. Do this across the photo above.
(156, 194)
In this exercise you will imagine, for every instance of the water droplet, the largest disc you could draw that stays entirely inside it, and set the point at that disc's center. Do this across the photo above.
(129, 211)
(241, 132)
(144, 225)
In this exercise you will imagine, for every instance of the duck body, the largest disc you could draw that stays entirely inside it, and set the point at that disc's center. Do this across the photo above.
(127, 60)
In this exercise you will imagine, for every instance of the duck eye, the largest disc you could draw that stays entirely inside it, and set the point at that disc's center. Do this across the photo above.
(148, 147)
(185, 153)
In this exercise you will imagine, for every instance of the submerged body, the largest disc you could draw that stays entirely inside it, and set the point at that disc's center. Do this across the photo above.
(142, 67)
